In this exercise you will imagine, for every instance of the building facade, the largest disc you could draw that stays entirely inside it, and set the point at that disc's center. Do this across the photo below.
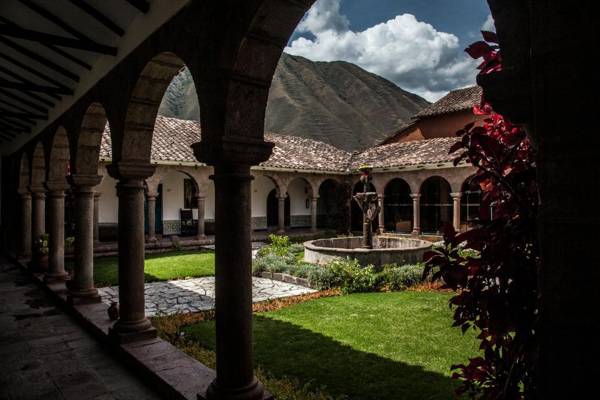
(307, 183)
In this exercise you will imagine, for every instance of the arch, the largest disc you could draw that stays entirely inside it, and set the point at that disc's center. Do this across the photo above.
(300, 193)
(58, 165)
(273, 208)
(436, 204)
(470, 203)
(144, 102)
(38, 166)
(87, 152)
(330, 205)
(24, 176)
(398, 207)
(356, 216)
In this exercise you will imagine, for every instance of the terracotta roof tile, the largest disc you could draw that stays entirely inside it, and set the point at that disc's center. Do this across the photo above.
(456, 100)
(418, 152)
(173, 137)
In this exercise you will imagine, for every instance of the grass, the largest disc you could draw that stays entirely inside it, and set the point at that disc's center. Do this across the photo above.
(158, 267)
(364, 346)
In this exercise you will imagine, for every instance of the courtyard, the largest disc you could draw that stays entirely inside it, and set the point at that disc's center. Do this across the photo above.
(310, 344)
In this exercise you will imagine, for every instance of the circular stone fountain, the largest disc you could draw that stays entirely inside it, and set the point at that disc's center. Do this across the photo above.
(387, 249)
(378, 250)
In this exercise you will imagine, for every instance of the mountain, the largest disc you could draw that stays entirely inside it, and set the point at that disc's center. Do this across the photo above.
(335, 102)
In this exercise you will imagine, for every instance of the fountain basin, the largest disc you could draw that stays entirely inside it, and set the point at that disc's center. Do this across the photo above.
(387, 249)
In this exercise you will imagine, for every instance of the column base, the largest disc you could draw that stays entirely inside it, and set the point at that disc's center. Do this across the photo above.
(280, 232)
(416, 232)
(54, 278)
(127, 332)
(254, 391)
(82, 300)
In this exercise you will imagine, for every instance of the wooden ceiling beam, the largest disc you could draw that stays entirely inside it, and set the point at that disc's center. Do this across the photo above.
(33, 71)
(42, 60)
(141, 5)
(96, 14)
(28, 103)
(48, 39)
(28, 86)
(28, 116)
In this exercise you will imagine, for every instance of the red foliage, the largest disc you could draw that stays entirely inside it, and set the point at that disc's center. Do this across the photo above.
(493, 268)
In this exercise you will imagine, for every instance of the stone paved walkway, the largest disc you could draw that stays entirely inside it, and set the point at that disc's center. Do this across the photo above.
(198, 294)
(44, 354)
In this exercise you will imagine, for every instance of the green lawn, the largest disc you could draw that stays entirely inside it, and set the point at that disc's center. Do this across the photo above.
(158, 267)
(365, 346)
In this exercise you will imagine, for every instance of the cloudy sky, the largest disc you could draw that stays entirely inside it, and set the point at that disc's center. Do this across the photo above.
(417, 44)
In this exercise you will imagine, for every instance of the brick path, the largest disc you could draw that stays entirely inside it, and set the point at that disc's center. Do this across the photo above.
(44, 354)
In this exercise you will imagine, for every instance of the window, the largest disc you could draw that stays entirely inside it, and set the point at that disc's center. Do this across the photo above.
(190, 192)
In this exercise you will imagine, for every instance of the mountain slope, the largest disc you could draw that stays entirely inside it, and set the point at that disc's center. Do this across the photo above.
(335, 102)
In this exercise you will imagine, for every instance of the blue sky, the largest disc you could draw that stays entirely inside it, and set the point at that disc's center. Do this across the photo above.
(417, 44)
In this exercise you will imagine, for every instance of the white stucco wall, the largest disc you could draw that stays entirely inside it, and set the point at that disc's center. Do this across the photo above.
(209, 202)
(261, 187)
(299, 190)
(172, 194)
(108, 207)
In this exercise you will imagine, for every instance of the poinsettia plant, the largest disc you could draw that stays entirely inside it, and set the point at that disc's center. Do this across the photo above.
(494, 267)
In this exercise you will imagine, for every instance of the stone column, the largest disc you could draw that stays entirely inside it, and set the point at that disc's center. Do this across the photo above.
(97, 216)
(81, 286)
(56, 232)
(416, 198)
(200, 204)
(151, 215)
(25, 240)
(233, 266)
(281, 214)
(233, 280)
(381, 215)
(132, 324)
(38, 220)
(313, 213)
(456, 210)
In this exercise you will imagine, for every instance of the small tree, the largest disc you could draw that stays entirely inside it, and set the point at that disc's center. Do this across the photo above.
(494, 267)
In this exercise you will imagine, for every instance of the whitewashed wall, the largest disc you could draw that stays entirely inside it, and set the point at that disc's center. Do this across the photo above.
(108, 208)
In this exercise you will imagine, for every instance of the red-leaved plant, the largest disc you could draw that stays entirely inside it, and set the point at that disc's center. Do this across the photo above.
(493, 268)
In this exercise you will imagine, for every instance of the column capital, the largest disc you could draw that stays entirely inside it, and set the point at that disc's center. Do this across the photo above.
(37, 190)
(151, 196)
(315, 198)
(380, 196)
(24, 193)
(233, 150)
(85, 180)
(415, 195)
(124, 170)
(57, 186)
(456, 195)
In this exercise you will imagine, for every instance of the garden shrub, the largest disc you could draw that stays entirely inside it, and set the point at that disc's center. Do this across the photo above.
(396, 277)
(273, 263)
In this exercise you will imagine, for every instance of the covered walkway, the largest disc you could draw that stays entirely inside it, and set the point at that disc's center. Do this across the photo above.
(45, 354)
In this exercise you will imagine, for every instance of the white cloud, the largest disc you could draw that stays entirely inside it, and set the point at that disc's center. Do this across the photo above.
(410, 53)
(489, 24)
(323, 16)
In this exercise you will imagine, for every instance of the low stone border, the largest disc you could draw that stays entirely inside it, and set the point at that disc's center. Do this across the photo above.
(281, 277)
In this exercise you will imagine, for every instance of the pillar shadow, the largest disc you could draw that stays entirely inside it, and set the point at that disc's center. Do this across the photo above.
(283, 349)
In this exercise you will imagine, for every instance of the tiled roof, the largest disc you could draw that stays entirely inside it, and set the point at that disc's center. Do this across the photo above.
(173, 137)
(456, 100)
(417, 152)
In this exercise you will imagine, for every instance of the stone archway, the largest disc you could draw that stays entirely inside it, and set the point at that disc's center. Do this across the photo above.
(329, 212)
(436, 204)
(398, 206)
